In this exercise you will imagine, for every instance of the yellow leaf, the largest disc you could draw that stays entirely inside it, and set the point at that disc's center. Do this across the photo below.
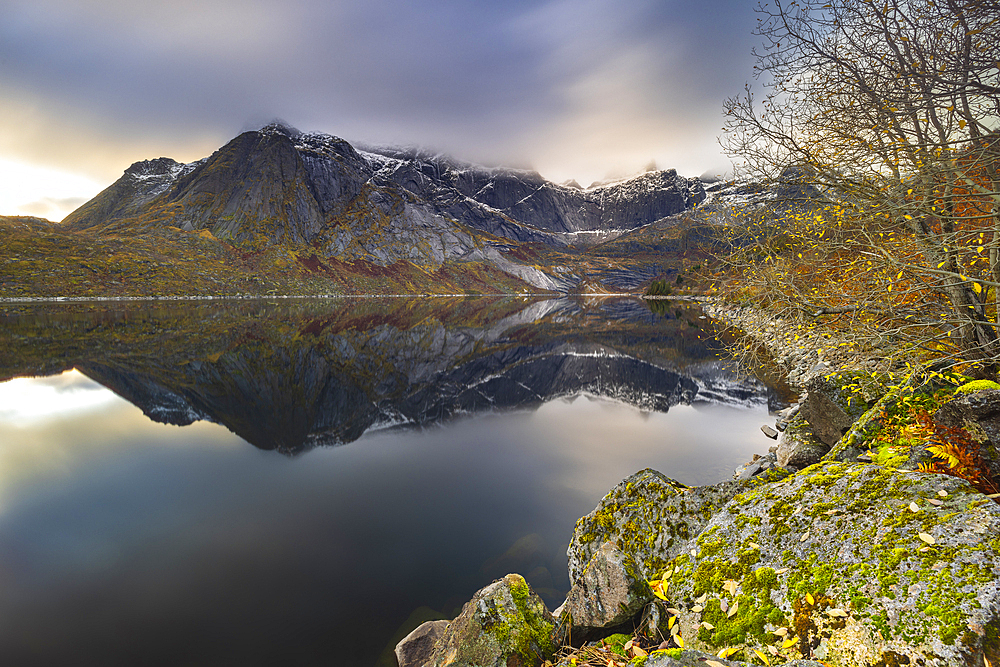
(762, 657)
(729, 585)
(638, 652)
(670, 622)
(726, 652)
(810, 599)
(732, 610)
(679, 640)
(659, 594)
(697, 609)
(673, 611)
(791, 641)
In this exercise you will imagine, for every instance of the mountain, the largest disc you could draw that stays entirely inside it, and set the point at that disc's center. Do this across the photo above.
(387, 210)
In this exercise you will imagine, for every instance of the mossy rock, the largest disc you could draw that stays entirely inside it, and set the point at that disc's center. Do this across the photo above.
(834, 402)
(504, 625)
(977, 385)
(798, 447)
(836, 556)
(652, 518)
(690, 658)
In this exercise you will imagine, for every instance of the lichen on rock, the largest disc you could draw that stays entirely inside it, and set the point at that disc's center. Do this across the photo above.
(852, 564)
(505, 624)
(652, 518)
(608, 594)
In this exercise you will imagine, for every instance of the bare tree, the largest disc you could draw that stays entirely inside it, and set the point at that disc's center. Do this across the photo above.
(889, 111)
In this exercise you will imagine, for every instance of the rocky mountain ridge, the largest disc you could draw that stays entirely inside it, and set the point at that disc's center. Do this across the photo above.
(278, 188)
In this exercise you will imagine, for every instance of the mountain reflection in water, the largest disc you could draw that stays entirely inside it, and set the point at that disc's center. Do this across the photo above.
(125, 541)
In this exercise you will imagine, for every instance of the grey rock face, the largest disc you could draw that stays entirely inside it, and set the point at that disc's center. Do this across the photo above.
(798, 447)
(827, 411)
(609, 593)
(416, 648)
(505, 624)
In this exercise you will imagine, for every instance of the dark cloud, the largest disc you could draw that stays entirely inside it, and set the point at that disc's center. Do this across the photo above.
(562, 84)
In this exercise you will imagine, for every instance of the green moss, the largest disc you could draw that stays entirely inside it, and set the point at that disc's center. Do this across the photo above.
(977, 385)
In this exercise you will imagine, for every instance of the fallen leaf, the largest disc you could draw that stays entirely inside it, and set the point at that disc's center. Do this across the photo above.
(762, 657)
(805, 536)
(754, 545)
(810, 599)
(788, 643)
(929, 539)
(772, 650)
(697, 609)
(781, 570)
(658, 593)
(670, 622)
(679, 640)
(935, 502)
(923, 549)
(726, 652)
(942, 493)
(729, 585)
(673, 611)
(701, 599)
(781, 632)
(837, 613)
(914, 508)
(638, 652)
(714, 663)
(629, 644)
(707, 625)
(694, 553)
(732, 610)
(723, 606)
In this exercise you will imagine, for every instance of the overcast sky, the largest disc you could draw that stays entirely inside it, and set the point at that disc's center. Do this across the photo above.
(578, 89)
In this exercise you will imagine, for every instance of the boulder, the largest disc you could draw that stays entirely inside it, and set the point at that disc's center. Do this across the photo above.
(797, 446)
(504, 625)
(689, 658)
(608, 594)
(651, 518)
(851, 564)
(416, 648)
(831, 404)
(757, 466)
(979, 414)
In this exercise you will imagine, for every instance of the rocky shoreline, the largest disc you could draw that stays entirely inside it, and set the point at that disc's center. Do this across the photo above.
(813, 555)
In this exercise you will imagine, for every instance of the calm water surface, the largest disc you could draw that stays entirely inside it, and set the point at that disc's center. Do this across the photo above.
(345, 469)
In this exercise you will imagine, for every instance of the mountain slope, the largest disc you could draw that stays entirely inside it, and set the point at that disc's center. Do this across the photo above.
(277, 189)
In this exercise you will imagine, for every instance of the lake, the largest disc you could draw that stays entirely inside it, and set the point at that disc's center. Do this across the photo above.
(300, 482)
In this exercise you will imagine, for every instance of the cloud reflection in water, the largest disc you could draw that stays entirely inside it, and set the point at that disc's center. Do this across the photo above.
(163, 545)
